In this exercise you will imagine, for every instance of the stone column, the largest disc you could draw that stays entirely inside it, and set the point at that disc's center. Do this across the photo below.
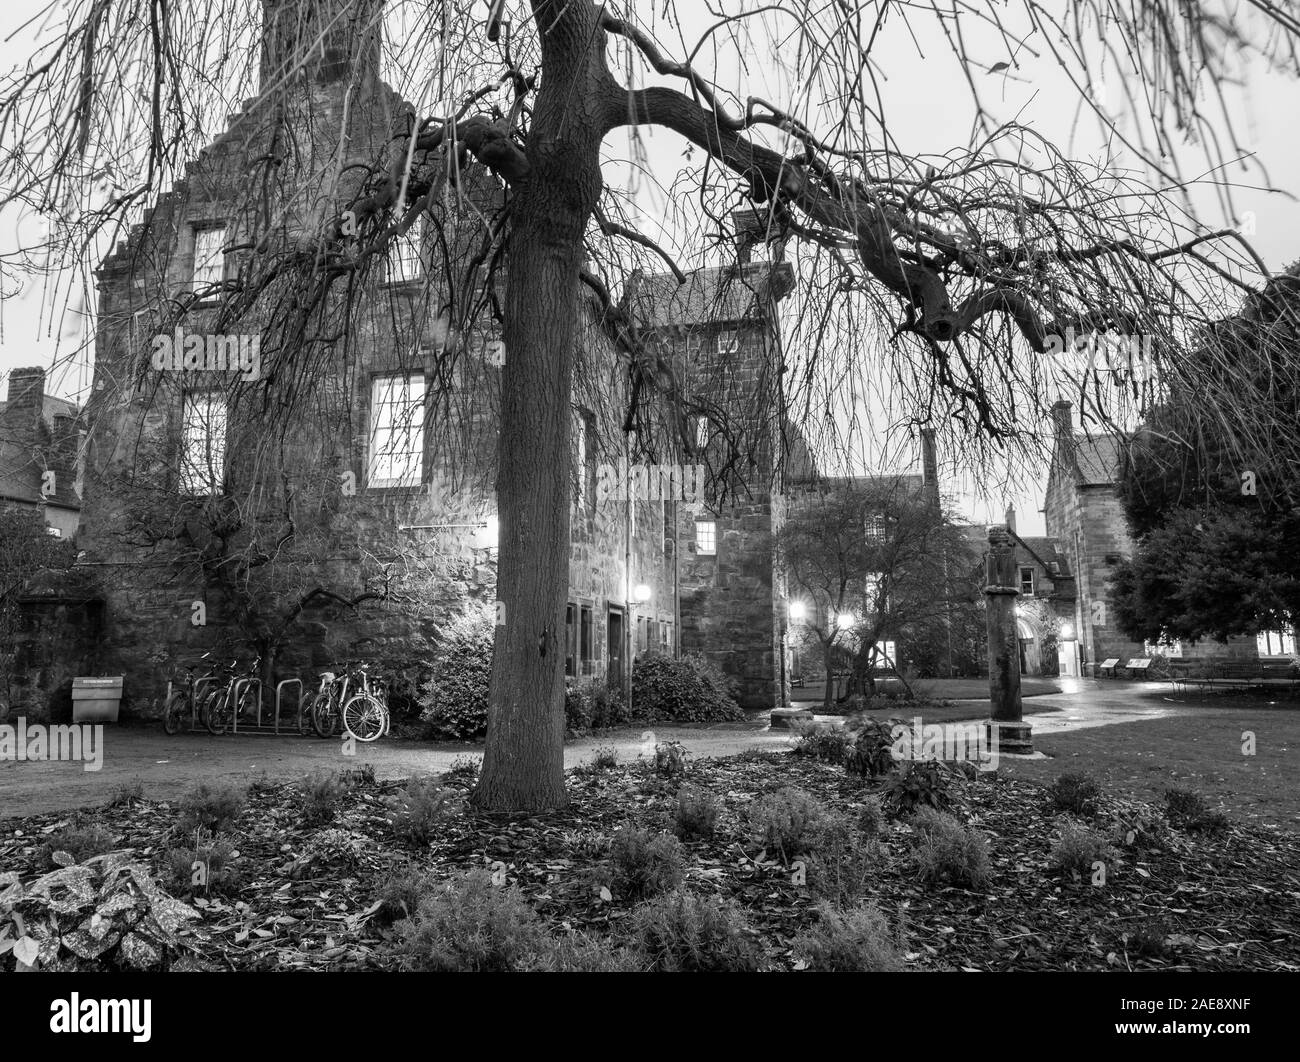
(1008, 732)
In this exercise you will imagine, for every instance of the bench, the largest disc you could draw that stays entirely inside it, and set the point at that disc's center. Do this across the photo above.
(1138, 666)
(1108, 665)
(796, 680)
(1239, 674)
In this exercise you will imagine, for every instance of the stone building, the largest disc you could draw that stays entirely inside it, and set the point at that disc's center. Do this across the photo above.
(40, 452)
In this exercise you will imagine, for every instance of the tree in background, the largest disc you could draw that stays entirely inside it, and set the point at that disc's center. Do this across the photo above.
(971, 257)
(1217, 514)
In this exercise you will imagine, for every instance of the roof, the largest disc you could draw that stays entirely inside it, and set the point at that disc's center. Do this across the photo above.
(1098, 458)
(1038, 549)
(714, 294)
(52, 407)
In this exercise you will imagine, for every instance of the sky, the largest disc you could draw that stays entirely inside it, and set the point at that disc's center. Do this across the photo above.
(930, 112)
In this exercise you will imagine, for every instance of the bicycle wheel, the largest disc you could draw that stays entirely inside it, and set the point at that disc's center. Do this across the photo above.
(216, 710)
(304, 718)
(364, 717)
(324, 715)
(174, 713)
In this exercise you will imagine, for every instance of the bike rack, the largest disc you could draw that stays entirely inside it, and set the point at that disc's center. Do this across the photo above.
(279, 692)
(194, 700)
(240, 686)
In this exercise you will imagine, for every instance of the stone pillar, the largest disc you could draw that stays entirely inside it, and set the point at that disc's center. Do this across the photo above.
(1008, 732)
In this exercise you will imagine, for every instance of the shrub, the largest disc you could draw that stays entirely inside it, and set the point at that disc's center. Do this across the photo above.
(468, 925)
(80, 840)
(683, 691)
(321, 793)
(1075, 793)
(604, 758)
(591, 707)
(1187, 810)
(462, 772)
(788, 820)
(210, 807)
(856, 940)
(645, 863)
(454, 698)
(416, 811)
(204, 869)
(945, 850)
(581, 953)
(841, 862)
(670, 759)
(697, 813)
(1148, 940)
(920, 784)
(399, 895)
(1078, 848)
(683, 932)
(824, 741)
(871, 753)
(871, 819)
(126, 794)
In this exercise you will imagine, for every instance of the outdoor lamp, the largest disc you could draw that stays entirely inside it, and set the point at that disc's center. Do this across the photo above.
(641, 593)
(798, 610)
(845, 619)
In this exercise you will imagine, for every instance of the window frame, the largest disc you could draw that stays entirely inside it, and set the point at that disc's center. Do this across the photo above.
(700, 549)
(417, 433)
(194, 480)
(201, 231)
(587, 639)
(718, 347)
(404, 251)
(1032, 580)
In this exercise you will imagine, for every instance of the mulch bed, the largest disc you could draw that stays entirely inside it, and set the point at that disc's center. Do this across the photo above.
(1227, 901)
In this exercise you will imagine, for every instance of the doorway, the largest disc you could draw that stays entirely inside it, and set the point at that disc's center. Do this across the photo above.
(615, 646)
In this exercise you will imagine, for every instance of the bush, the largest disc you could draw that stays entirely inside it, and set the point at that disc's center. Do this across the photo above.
(1187, 810)
(1078, 848)
(321, 793)
(399, 895)
(645, 863)
(604, 758)
(468, 925)
(80, 840)
(670, 759)
(463, 772)
(591, 707)
(788, 820)
(856, 940)
(945, 850)
(210, 807)
(1074, 793)
(204, 869)
(454, 698)
(871, 819)
(416, 811)
(697, 813)
(682, 691)
(681, 932)
(871, 752)
(126, 794)
(920, 784)
(581, 953)
(842, 862)
(825, 742)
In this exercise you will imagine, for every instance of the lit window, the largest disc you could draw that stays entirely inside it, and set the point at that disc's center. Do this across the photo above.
(584, 458)
(706, 537)
(57, 532)
(203, 443)
(396, 431)
(875, 528)
(886, 655)
(876, 601)
(728, 341)
(405, 260)
(1027, 582)
(1275, 643)
(209, 256)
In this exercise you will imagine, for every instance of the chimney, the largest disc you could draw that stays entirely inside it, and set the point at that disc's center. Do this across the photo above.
(26, 399)
(327, 40)
(929, 465)
(1063, 420)
(1011, 519)
(751, 226)
(65, 441)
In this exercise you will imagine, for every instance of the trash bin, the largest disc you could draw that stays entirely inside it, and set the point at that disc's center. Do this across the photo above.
(96, 700)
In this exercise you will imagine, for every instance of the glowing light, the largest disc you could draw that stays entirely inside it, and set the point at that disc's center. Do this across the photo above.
(641, 593)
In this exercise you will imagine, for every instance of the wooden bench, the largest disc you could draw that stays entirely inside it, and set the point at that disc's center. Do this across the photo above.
(1239, 674)
(796, 680)
(1108, 665)
(1137, 667)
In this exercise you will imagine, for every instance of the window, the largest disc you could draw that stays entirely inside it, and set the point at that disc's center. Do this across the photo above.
(706, 538)
(585, 645)
(701, 432)
(203, 443)
(642, 633)
(57, 532)
(886, 654)
(727, 341)
(1275, 643)
(396, 431)
(873, 597)
(875, 528)
(570, 640)
(693, 344)
(584, 458)
(666, 638)
(1027, 581)
(209, 256)
(405, 255)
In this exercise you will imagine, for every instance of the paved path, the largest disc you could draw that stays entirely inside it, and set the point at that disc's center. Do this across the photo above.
(169, 765)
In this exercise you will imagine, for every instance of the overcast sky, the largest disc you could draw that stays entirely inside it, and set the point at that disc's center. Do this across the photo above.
(930, 111)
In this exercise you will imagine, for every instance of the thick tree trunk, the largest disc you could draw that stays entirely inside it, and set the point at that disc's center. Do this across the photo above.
(523, 763)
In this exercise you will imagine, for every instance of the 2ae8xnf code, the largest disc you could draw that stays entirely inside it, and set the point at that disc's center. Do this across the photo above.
(1154, 1005)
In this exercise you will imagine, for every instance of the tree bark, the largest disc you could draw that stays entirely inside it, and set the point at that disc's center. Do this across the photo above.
(523, 762)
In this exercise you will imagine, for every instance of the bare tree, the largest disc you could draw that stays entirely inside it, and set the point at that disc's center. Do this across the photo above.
(945, 276)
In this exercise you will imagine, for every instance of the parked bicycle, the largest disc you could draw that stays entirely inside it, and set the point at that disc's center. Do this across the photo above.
(239, 695)
(181, 702)
(353, 701)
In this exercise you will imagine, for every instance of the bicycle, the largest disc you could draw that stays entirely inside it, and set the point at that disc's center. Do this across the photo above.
(366, 716)
(220, 704)
(182, 700)
(363, 715)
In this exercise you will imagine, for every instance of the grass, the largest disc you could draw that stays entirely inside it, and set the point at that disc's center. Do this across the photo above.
(1201, 750)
